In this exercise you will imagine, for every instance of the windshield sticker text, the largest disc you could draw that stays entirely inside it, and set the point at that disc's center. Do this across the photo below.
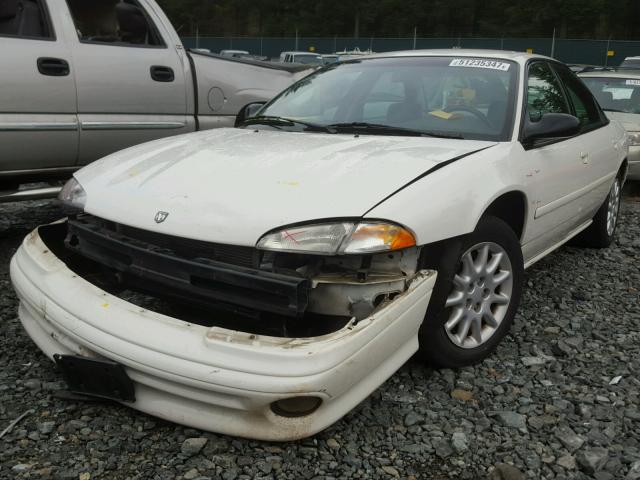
(633, 82)
(478, 63)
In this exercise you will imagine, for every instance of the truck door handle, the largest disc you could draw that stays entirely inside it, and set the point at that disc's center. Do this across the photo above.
(162, 74)
(53, 67)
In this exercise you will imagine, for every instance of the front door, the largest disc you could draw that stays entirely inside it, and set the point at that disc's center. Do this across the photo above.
(131, 78)
(556, 171)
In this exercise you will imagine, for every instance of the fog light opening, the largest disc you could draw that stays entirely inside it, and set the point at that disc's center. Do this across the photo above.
(296, 406)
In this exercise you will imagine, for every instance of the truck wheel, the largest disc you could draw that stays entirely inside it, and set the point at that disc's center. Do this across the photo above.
(476, 296)
(600, 233)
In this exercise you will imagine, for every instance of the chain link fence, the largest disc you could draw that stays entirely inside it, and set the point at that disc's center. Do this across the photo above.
(590, 52)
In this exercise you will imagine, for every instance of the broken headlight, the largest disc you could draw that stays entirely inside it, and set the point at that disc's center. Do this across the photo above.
(339, 238)
(73, 195)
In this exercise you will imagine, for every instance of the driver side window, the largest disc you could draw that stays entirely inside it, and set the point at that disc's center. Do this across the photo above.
(544, 93)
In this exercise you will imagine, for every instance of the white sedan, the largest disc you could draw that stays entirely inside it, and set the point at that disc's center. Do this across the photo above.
(262, 281)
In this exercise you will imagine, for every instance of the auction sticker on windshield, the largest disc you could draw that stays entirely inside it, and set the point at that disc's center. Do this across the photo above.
(478, 63)
(633, 82)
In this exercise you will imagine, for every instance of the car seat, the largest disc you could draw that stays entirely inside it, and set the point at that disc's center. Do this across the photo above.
(408, 110)
(604, 98)
(21, 18)
(133, 24)
(497, 113)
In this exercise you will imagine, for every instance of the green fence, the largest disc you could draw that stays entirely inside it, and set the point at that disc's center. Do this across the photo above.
(592, 52)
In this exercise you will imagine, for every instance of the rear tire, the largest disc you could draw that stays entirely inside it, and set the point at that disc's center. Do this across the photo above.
(476, 296)
(601, 232)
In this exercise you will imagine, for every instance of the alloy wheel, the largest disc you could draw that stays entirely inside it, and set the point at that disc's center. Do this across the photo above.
(613, 207)
(481, 294)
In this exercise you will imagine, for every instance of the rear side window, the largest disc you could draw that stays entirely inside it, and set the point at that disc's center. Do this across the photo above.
(544, 92)
(583, 102)
(24, 19)
(122, 23)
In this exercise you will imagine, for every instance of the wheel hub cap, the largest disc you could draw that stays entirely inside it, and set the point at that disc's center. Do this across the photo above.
(481, 294)
(613, 207)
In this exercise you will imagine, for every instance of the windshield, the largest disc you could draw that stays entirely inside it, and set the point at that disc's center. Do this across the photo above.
(616, 94)
(448, 96)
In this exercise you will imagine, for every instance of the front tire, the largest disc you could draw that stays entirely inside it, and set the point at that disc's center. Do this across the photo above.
(476, 296)
(601, 232)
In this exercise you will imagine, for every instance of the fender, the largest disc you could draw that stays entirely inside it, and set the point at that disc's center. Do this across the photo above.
(424, 174)
(460, 192)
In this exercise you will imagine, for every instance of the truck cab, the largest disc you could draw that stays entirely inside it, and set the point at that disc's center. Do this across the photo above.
(82, 80)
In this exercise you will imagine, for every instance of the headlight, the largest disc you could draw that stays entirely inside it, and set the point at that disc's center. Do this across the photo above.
(633, 138)
(339, 238)
(73, 195)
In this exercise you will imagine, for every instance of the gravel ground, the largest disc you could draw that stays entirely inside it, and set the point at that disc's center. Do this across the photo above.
(559, 399)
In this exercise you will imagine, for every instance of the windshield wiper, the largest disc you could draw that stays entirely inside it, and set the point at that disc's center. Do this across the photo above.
(285, 122)
(613, 110)
(390, 130)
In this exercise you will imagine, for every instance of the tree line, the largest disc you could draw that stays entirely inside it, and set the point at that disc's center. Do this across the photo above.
(600, 19)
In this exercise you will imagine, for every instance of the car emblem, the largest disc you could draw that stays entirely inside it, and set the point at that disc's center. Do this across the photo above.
(161, 217)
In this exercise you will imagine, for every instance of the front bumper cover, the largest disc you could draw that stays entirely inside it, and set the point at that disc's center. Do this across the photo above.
(212, 378)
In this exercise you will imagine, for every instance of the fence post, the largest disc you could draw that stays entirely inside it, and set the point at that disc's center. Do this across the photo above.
(415, 36)
(553, 43)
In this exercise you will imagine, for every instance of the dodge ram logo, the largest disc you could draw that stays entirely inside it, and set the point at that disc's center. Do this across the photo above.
(161, 217)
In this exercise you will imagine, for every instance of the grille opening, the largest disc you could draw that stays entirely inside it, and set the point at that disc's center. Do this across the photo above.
(184, 247)
(142, 295)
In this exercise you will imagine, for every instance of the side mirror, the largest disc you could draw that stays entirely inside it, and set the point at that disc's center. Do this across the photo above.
(551, 125)
(248, 111)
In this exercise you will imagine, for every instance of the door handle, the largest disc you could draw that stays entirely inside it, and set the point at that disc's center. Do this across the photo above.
(53, 67)
(162, 74)
(584, 156)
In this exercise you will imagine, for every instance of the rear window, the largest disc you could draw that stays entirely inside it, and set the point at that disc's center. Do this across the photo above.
(24, 19)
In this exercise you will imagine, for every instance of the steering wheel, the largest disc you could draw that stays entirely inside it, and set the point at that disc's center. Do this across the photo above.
(474, 111)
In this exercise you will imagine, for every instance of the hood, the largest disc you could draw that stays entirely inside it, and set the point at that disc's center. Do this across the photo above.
(630, 121)
(232, 186)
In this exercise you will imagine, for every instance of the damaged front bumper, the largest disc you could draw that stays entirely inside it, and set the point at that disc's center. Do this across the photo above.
(215, 378)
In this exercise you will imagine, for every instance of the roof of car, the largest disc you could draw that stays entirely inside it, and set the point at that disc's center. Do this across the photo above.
(520, 57)
(622, 73)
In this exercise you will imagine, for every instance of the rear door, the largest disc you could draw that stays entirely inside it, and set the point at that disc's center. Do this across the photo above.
(38, 124)
(131, 77)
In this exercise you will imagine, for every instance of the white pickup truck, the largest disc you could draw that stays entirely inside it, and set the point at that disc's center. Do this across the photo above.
(82, 79)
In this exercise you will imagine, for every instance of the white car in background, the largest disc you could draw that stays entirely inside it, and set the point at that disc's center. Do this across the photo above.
(618, 93)
(305, 58)
(262, 281)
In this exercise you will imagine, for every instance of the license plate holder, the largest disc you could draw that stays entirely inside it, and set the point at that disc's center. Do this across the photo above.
(96, 378)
